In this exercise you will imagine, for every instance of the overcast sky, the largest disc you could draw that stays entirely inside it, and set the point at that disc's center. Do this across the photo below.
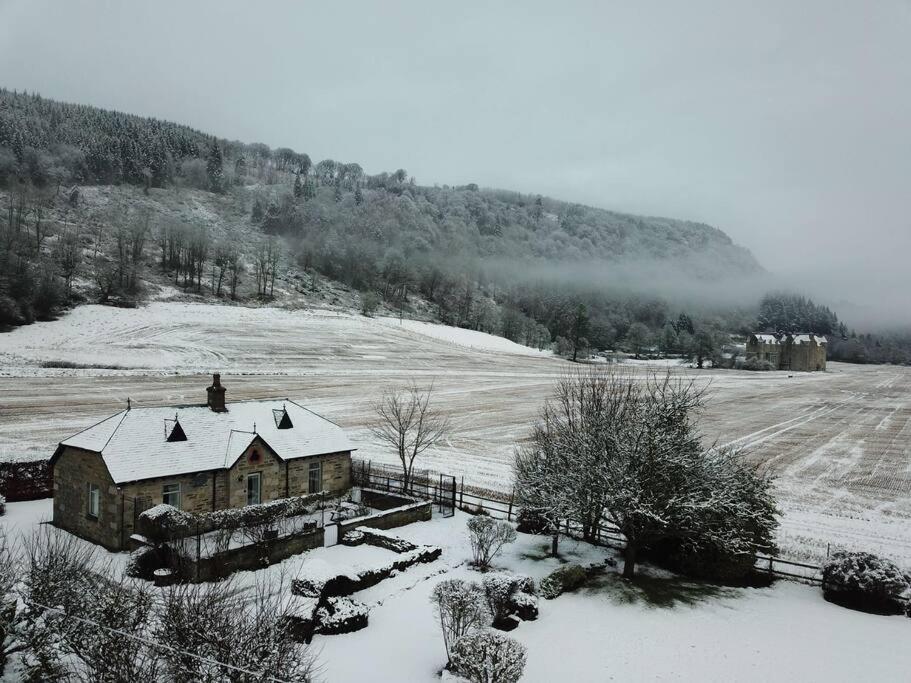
(786, 124)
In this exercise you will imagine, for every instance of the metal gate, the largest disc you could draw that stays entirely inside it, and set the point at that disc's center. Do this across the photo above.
(445, 495)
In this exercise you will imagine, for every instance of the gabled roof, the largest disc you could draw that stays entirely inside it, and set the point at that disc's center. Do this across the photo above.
(767, 339)
(806, 338)
(134, 445)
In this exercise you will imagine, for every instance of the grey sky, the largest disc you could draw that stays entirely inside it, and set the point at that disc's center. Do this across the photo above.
(785, 124)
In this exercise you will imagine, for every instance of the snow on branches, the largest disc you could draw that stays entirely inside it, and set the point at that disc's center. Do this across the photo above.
(611, 447)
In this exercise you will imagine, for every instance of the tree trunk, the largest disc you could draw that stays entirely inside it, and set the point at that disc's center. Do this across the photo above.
(629, 560)
(554, 542)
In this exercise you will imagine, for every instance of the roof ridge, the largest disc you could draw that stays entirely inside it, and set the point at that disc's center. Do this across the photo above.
(313, 412)
(92, 426)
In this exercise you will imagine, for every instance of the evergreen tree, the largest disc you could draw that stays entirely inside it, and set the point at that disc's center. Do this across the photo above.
(358, 196)
(214, 169)
(298, 186)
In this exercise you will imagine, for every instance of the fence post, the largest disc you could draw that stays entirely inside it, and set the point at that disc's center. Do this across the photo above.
(198, 549)
(462, 493)
(771, 570)
(509, 511)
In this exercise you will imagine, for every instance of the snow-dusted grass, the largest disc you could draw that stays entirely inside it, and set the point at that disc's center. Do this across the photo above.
(659, 628)
(480, 341)
(837, 441)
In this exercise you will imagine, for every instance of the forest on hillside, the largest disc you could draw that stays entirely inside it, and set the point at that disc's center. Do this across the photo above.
(476, 257)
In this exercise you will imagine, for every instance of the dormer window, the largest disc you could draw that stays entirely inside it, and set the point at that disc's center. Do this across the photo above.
(282, 419)
(173, 431)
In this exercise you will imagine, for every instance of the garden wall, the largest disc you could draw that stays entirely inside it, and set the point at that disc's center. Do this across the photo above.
(254, 556)
(408, 510)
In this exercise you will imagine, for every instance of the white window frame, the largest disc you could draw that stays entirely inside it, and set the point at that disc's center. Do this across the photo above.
(258, 477)
(315, 467)
(165, 493)
(93, 504)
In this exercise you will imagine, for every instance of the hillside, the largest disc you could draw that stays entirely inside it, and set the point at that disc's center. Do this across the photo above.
(107, 207)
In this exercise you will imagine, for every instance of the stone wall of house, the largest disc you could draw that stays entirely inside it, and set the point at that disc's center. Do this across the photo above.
(121, 508)
(74, 470)
(271, 469)
(195, 495)
(336, 473)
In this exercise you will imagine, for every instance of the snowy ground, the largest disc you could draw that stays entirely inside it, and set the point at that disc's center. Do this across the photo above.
(840, 441)
(662, 628)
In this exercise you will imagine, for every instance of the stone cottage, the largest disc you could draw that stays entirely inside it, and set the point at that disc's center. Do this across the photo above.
(805, 352)
(195, 457)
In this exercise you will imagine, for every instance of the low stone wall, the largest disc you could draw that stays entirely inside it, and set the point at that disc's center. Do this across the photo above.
(26, 480)
(411, 511)
(255, 556)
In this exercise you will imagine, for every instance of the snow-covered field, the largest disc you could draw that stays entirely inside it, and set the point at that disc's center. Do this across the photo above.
(660, 628)
(839, 441)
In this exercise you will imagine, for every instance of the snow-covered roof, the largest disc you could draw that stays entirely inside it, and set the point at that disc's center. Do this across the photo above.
(766, 338)
(134, 445)
(806, 338)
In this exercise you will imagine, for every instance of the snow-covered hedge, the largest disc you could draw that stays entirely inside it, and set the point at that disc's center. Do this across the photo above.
(562, 579)
(377, 538)
(164, 522)
(340, 615)
(488, 657)
(865, 582)
(348, 583)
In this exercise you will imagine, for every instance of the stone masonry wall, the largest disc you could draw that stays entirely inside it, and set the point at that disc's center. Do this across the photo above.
(74, 470)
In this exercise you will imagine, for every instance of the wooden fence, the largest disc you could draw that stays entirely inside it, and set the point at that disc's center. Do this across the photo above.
(503, 506)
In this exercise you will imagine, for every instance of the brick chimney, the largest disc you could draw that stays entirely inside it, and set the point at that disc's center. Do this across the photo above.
(216, 395)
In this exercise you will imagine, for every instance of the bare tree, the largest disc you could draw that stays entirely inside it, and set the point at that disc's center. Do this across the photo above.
(407, 423)
(487, 537)
(460, 606)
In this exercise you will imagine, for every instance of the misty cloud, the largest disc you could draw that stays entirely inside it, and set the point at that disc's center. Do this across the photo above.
(784, 124)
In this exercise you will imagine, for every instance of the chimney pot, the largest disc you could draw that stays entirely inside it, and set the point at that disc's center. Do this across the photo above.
(216, 395)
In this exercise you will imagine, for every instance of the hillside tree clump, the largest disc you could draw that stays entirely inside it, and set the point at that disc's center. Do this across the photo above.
(613, 448)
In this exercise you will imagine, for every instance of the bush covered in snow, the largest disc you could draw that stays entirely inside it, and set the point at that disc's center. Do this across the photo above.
(144, 561)
(487, 537)
(165, 522)
(562, 579)
(502, 592)
(341, 615)
(2, 505)
(461, 608)
(865, 582)
(531, 521)
(488, 657)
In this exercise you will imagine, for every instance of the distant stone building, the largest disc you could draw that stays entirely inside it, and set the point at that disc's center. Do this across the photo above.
(195, 457)
(803, 352)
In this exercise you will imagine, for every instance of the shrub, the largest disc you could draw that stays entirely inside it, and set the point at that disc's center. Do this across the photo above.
(865, 582)
(341, 615)
(756, 363)
(461, 607)
(500, 591)
(487, 537)
(488, 657)
(524, 606)
(532, 521)
(143, 562)
(562, 579)
(2, 505)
